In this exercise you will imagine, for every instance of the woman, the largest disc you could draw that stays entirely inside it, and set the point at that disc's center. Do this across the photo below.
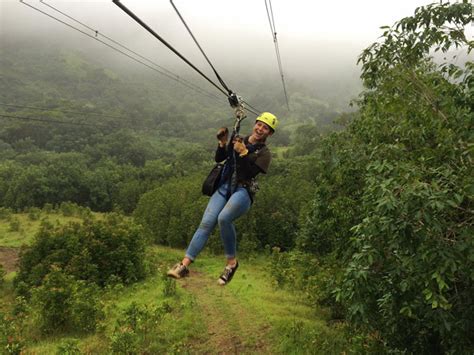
(231, 200)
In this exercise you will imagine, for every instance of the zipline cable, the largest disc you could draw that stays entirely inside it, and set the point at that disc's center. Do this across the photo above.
(202, 51)
(212, 66)
(105, 43)
(23, 118)
(271, 21)
(98, 33)
(58, 110)
(230, 95)
(254, 110)
(145, 26)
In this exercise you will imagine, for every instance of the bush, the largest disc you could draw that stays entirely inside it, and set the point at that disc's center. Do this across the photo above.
(171, 213)
(34, 213)
(5, 213)
(169, 289)
(68, 347)
(14, 225)
(316, 277)
(48, 208)
(62, 303)
(12, 329)
(68, 209)
(2, 274)
(137, 328)
(93, 251)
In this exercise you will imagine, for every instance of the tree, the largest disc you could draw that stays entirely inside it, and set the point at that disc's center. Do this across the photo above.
(409, 277)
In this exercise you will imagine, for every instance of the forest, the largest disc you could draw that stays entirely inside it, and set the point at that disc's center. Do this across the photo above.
(365, 217)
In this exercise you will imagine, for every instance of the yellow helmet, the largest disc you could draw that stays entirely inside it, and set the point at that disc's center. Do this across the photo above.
(269, 119)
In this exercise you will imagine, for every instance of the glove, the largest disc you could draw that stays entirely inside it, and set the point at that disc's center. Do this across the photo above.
(240, 148)
(222, 136)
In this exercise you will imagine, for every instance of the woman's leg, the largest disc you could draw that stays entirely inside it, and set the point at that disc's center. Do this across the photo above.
(238, 204)
(208, 222)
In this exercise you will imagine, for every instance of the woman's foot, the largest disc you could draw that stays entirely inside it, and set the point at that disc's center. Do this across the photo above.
(178, 271)
(227, 274)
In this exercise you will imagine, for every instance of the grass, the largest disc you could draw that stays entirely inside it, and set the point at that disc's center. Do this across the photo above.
(289, 323)
(193, 315)
(19, 229)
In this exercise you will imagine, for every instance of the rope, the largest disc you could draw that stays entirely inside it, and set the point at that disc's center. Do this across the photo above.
(271, 21)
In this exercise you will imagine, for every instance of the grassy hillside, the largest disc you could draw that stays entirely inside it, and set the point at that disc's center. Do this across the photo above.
(161, 315)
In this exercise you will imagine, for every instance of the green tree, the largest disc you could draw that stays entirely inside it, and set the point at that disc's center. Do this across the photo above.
(409, 276)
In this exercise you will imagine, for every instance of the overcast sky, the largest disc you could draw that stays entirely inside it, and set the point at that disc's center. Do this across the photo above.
(314, 36)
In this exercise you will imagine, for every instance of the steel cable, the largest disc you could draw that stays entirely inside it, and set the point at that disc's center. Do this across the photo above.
(271, 21)
(98, 33)
(229, 91)
(154, 34)
(105, 43)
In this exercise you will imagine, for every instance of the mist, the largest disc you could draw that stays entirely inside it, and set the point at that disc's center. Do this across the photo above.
(319, 42)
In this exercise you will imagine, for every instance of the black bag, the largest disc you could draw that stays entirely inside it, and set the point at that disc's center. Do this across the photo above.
(211, 183)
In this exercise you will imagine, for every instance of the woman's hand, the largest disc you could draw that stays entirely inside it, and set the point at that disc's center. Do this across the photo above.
(222, 136)
(240, 147)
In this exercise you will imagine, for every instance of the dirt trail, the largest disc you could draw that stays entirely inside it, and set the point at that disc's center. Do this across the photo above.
(9, 258)
(232, 327)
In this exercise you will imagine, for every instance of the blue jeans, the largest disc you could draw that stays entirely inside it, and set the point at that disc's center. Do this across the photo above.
(224, 212)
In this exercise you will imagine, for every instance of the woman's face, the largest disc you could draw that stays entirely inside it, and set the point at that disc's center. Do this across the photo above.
(261, 131)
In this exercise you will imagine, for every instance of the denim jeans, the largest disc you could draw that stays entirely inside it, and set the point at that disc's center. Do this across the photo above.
(223, 212)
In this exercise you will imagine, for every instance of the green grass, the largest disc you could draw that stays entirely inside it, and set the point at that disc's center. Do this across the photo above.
(27, 228)
(291, 324)
(247, 316)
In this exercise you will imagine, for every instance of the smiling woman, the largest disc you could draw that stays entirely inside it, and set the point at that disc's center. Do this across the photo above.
(244, 159)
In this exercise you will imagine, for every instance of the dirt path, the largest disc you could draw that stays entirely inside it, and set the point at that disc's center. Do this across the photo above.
(232, 327)
(9, 258)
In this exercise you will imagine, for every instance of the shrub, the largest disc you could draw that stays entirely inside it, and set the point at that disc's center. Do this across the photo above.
(137, 328)
(169, 289)
(68, 347)
(14, 225)
(68, 209)
(34, 213)
(62, 303)
(48, 208)
(171, 213)
(12, 340)
(2, 274)
(5, 213)
(93, 251)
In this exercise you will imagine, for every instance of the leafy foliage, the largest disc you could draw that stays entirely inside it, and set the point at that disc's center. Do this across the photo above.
(395, 191)
(94, 251)
(138, 328)
(62, 303)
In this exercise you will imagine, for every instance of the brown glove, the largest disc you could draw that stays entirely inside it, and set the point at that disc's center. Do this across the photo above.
(240, 148)
(222, 136)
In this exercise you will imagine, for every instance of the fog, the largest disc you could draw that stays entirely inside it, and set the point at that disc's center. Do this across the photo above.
(316, 39)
